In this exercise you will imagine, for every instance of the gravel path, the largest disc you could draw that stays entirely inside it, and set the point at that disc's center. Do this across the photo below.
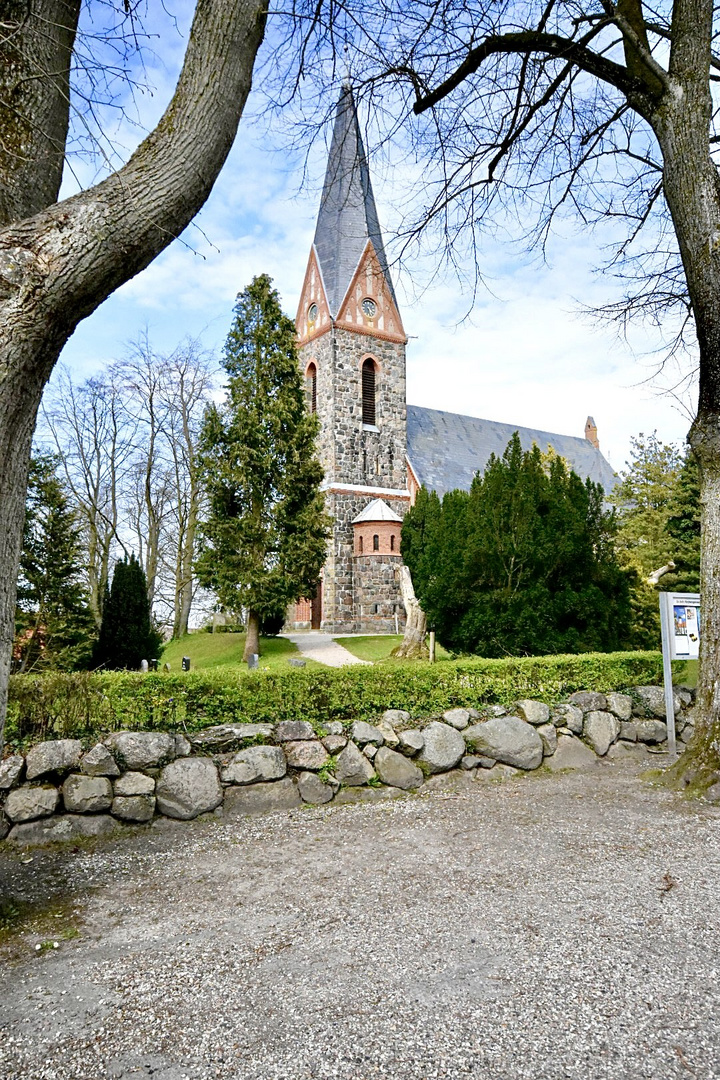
(560, 927)
(321, 647)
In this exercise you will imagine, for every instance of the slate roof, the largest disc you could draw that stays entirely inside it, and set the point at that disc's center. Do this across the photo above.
(446, 449)
(377, 510)
(348, 216)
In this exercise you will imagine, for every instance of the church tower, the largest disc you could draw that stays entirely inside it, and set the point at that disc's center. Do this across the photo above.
(352, 349)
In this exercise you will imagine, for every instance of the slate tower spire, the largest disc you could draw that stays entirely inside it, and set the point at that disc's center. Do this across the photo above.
(352, 347)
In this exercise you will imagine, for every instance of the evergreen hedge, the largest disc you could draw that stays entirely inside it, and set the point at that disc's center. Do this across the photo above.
(84, 705)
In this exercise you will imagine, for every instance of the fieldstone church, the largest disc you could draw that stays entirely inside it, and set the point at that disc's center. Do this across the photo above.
(376, 449)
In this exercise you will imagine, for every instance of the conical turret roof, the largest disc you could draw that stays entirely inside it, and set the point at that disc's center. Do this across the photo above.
(347, 218)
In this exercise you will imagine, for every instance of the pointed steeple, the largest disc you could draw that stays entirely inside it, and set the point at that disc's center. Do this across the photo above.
(347, 218)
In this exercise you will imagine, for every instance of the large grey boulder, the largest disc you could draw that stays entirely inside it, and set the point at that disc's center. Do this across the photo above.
(255, 763)
(99, 762)
(396, 770)
(628, 731)
(306, 755)
(620, 705)
(134, 783)
(262, 798)
(571, 753)
(600, 730)
(222, 737)
(651, 731)
(589, 701)
(507, 739)
(352, 767)
(294, 730)
(137, 808)
(534, 712)
(62, 827)
(650, 701)
(10, 771)
(548, 734)
(411, 741)
(87, 794)
(457, 718)
(56, 755)
(188, 787)
(395, 717)
(443, 747)
(31, 801)
(313, 790)
(141, 749)
(568, 716)
(365, 733)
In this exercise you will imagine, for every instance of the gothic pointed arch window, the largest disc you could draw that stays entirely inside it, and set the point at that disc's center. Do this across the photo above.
(311, 388)
(368, 392)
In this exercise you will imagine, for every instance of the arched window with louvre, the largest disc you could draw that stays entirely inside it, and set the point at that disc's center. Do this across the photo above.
(311, 388)
(368, 392)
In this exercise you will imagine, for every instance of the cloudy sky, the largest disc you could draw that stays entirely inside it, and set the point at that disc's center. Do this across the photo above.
(521, 353)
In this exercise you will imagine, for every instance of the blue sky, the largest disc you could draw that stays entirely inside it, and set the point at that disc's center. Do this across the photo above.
(523, 355)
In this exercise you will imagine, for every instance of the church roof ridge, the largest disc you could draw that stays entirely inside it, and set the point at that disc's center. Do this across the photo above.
(347, 217)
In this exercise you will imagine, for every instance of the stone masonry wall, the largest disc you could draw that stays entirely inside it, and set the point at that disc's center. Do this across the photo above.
(61, 791)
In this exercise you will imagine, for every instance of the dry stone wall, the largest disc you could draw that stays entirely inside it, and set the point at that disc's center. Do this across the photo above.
(60, 790)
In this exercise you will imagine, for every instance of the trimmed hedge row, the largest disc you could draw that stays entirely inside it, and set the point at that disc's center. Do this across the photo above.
(85, 705)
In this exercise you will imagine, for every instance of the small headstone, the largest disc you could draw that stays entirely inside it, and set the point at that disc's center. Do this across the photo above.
(253, 660)
(186, 663)
(294, 662)
(153, 665)
(144, 666)
(166, 668)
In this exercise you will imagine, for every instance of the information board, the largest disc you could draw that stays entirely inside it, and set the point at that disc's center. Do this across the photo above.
(680, 628)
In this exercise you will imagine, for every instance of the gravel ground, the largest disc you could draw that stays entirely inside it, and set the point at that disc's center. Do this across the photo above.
(543, 927)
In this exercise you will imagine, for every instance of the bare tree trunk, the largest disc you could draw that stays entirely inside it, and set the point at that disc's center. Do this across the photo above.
(60, 262)
(252, 638)
(413, 645)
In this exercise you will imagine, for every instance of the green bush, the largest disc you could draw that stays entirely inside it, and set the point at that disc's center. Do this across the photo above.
(86, 705)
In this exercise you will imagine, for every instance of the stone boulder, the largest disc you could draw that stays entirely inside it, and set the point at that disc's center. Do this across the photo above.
(457, 718)
(491, 712)
(223, 737)
(87, 794)
(443, 747)
(188, 787)
(183, 746)
(294, 731)
(352, 767)
(369, 750)
(31, 801)
(255, 763)
(334, 727)
(548, 734)
(396, 770)
(364, 733)
(533, 712)
(589, 701)
(137, 808)
(306, 755)
(99, 762)
(10, 771)
(262, 798)
(313, 790)
(141, 749)
(411, 741)
(568, 716)
(620, 705)
(571, 753)
(649, 701)
(56, 755)
(628, 731)
(389, 734)
(134, 783)
(651, 731)
(600, 730)
(62, 827)
(507, 739)
(394, 717)
(334, 743)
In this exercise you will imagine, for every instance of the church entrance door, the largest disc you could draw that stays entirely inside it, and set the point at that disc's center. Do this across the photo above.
(316, 614)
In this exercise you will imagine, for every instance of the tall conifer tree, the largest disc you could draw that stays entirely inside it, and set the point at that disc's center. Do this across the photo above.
(127, 635)
(265, 531)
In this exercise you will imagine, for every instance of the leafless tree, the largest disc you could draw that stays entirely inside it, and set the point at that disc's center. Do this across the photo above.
(60, 260)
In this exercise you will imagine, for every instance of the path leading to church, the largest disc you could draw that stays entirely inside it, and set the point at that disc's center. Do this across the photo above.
(321, 647)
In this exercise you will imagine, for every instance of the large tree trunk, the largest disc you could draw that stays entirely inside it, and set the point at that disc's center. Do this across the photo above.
(252, 637)
(58, 265)
(412, 646)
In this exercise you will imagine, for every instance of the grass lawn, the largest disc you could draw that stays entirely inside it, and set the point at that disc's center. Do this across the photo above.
(376, 647)
(225, 651)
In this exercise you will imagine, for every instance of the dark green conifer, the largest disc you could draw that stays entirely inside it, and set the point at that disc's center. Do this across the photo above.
(127, 634)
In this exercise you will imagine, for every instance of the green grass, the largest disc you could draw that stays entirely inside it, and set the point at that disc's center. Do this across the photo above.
(685, 672)
(376, 647)
(212, 651)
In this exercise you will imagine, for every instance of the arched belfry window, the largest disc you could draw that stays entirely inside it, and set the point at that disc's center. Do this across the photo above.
(368, 392)
(311, 388)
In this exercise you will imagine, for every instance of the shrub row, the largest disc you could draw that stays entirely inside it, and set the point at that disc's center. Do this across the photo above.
(84, 705)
